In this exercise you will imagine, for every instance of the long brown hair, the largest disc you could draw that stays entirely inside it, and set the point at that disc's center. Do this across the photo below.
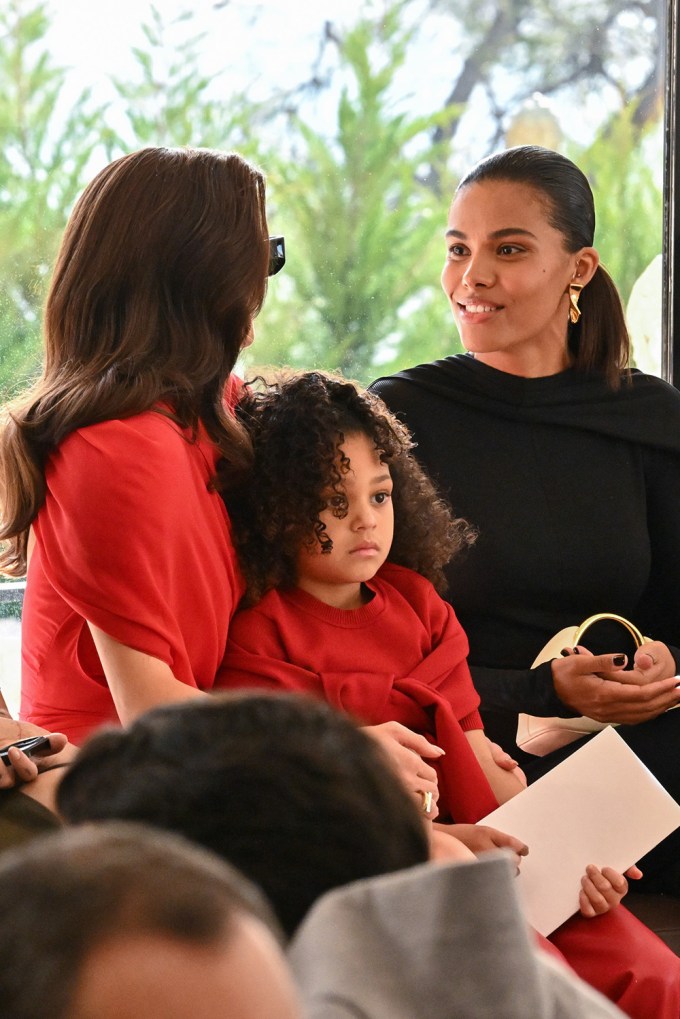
(161, 269)
(599, 342)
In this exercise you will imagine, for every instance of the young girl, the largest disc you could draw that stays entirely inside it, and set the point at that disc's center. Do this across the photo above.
(341, 538)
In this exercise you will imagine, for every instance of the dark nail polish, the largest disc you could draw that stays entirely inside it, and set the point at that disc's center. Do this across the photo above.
(619, 659)
(576, 651)
(565, 652)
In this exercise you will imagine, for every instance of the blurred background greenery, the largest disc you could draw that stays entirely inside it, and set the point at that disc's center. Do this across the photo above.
(361, 197)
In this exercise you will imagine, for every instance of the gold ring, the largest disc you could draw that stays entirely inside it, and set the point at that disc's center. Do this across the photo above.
(427, 802)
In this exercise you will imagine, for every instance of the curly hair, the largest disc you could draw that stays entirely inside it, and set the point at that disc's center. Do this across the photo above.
(297, 424)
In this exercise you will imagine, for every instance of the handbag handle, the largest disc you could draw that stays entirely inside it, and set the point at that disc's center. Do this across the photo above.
(632, 629)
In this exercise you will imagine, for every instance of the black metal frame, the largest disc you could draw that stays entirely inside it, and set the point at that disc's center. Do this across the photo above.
(671, 204)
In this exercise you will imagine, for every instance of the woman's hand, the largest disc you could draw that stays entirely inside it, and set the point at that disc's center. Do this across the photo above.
(39, 781)
(24, 768)
(503, 760)
(479, 838)
(653, 661)
(505, 782)
(600, 687)
(602, 890)
(405, 751)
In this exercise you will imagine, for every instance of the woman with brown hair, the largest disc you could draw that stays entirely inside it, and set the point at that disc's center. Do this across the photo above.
(109, 464)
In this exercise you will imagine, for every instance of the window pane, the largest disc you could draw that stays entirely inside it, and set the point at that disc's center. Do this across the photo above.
(364, 124)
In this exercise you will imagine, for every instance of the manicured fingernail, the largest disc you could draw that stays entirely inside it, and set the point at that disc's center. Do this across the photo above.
(565, 652)
(439, 750)
(575, 651)
(619, 659)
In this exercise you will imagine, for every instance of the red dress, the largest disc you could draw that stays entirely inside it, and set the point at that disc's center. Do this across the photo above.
(132, 539)
(402, 657)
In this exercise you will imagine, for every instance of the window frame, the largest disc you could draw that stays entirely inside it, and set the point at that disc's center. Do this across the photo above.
(670, 354)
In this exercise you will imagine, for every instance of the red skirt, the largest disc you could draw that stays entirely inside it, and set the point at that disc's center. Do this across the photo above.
(624, 960)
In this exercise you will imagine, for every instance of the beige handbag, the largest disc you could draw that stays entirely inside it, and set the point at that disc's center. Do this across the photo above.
(538, 735)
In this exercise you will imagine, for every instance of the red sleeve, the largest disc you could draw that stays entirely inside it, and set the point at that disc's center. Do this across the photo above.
(471, 721)
(258, 656)
(135, 542)
(255, 658)
(445, 669)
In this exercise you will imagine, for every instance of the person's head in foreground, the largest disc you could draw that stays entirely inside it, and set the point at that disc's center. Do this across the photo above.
(287, 790)
(334, 492)
(522, 276)
(119, 921)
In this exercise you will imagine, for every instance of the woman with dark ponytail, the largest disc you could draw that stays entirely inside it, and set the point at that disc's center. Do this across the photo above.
(567, 462)
(597, 338)
(109, 463)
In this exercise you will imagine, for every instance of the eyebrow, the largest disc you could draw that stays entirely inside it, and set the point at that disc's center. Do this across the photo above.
(377, 480)
(508, 231)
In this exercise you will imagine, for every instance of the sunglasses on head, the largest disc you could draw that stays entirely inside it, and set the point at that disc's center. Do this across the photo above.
(277, 255)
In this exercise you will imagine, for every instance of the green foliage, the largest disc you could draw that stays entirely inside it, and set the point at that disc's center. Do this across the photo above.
(572, 51)
(628, 200)
(43, 152)
(427, 332)
(171, 103)
(47, 149)
(362, 201)
(364, 238)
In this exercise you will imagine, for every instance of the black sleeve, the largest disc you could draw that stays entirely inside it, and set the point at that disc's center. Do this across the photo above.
(676, 654)
(528, 690)
(659, 615)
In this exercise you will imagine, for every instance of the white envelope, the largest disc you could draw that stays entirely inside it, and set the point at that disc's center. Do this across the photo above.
(601, 806)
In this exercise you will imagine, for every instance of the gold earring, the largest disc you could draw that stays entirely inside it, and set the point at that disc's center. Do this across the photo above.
(574, 294)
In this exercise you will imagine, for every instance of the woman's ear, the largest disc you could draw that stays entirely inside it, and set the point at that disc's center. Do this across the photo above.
(587, 261)
(250, 336)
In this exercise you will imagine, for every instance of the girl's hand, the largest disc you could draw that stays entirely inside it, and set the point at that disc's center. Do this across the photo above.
(505, 761)
(405, 751)
(444, 846)
(602, 890)
(481, 839)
